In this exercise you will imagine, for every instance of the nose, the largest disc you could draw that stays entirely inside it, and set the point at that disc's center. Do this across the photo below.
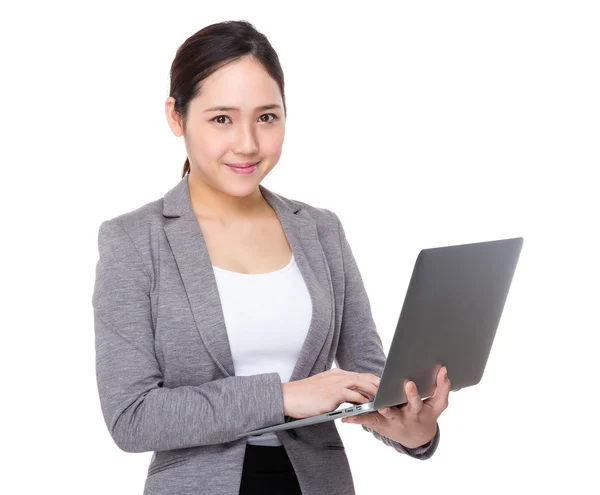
(246, 143)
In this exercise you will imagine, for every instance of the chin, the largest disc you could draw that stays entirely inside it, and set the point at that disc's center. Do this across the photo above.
(241, 190)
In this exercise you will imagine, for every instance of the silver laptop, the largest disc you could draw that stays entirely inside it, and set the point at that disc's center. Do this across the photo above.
(449, 317)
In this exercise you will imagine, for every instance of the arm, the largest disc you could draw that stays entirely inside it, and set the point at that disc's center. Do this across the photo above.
(359, 347)
(141, 414)
(422, 453)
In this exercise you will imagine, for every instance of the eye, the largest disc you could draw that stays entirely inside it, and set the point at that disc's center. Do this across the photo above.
(275, 117)
(218, 117)
(269, 121)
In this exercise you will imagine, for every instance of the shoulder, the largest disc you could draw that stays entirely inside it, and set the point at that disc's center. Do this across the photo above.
(324, 217)
(135, 224)
(141, 214)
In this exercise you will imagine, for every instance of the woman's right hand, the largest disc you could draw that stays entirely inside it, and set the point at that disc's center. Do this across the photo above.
(324, 392)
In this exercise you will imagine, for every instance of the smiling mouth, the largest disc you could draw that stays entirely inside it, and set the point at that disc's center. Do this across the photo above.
(242, 165)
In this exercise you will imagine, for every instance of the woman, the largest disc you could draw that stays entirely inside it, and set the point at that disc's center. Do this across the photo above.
(220, 308)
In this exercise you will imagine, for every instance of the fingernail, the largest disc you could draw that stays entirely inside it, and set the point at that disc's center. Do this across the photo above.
(445, 371)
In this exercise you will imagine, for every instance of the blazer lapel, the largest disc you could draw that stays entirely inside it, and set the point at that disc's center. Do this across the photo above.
(191, 255)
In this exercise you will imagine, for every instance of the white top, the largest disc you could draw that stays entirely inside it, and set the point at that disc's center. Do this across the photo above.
(267, 316)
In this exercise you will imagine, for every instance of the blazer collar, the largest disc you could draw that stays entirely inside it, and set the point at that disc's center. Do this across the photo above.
(191, 255)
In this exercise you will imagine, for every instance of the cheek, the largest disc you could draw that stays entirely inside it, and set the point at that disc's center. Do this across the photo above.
(272, 144)
(210, 145)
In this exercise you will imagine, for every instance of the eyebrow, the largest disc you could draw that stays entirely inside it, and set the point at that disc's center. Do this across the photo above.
(222, 108)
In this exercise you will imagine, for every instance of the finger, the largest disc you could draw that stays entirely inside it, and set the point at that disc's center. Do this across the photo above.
(414, 400)
(439, 399)
(366, 396)
(361, 381)
(374, 378)
(390, 413)
(368, 419)
(369, 383)
(353, 397)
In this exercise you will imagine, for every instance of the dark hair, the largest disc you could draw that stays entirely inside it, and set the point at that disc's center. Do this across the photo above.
(210, 49)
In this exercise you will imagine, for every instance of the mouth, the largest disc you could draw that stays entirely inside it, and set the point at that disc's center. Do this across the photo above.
(243, 168)
(242, 165)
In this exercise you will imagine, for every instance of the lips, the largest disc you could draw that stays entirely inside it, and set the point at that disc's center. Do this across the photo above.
(241, 165)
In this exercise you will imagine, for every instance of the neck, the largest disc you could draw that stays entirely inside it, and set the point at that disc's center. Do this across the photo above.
(211, 203)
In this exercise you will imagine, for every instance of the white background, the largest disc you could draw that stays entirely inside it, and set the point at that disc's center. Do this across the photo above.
(456, 121)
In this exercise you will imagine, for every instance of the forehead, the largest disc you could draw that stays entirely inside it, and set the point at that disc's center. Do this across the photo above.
(244, 84)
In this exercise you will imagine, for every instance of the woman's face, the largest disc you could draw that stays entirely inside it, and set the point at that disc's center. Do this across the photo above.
(251, 129)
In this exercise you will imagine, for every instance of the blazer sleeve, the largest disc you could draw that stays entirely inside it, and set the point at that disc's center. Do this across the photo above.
(140, 413)
(359, 347)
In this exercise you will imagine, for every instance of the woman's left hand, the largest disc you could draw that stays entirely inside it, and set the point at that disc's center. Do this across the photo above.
(414, 423)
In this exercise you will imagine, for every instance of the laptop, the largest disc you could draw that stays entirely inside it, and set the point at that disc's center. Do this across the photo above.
(449, 317)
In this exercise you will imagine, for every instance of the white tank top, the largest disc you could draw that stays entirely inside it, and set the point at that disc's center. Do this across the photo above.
(267, 316)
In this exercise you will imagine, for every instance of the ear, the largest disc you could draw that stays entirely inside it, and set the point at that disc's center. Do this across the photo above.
(173, 118)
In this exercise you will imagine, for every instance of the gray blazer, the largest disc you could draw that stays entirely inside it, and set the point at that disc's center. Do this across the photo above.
(163, 363)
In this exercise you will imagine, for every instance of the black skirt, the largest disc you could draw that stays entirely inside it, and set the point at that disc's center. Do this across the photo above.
(268, 471)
